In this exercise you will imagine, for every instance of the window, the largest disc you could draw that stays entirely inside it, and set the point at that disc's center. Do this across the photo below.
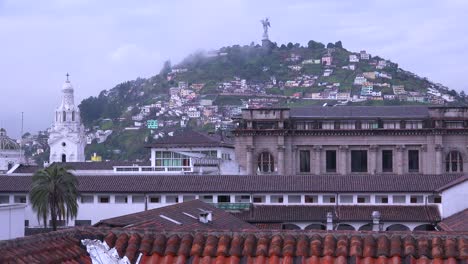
(411, 124)
(346, 199)
(294, 198)
(304, 161)
(64, 144)
(155, 199)
(121, 199)
(64, 158)
(64, 115)
(172, 199)
(381, 199)
(328, 125)
(435, 199)
(266, 162)
(348, 125)
(330, 156)
(363, 199)
(329, 199)
(242, 198)
(276, 199)
(73, 115)
(387, 161)
(87, 199)
(454, 162)
(207, 198)
(391, 124)
(82, 222)
(454, 124)
(259, 199)
(4, 199)
(311, 199)
(26, 223)
(171, 159)
(103, 199)
(20, 198)
(224, 198)
(369, 125)
(399, 199)
(413, 160)
(358, 160)
(187, 198)
(138, 199)
(416, 199)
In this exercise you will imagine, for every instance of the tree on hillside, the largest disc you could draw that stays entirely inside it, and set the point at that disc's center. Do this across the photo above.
(330, 45)
(315, 45)
(290, 45)
(53, 194)
(167, 68)
(338, 44)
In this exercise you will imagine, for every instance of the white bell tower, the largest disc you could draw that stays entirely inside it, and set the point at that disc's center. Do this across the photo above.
(66, 137)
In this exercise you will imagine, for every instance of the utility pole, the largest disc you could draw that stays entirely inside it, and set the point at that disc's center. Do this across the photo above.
(21, 138)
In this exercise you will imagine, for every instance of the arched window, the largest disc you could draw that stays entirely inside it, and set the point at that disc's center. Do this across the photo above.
(64, 115)
(10, 165)
(266, 162)
(454, 162)
(73, 115)
(64, 158)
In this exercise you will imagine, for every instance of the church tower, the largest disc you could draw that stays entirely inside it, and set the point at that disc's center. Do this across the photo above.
(66, 137)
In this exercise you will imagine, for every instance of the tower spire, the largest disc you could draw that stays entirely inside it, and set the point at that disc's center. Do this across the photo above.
(68, 75)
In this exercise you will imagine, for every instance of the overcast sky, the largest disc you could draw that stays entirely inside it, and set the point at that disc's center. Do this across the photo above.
(102, 43)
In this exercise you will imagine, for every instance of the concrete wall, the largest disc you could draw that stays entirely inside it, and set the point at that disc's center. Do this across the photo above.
(12, 221)
(454, 199)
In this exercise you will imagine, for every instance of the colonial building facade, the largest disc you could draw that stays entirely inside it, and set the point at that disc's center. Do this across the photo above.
(67, 138)
(353, 140)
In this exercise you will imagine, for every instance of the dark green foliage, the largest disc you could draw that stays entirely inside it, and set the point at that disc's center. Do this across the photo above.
(330, 45)
(54, 194)
(315, 45)
(338, 44)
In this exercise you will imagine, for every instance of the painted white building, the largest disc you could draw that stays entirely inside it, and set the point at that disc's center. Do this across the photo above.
(10, 152)
(67, 139)
(353, 58)
(12, 218)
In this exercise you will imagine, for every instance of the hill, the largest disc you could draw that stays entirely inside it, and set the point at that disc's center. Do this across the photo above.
(207, 88)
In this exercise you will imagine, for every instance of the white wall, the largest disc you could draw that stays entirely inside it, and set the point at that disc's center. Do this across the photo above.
(12, 221)
(454, 199)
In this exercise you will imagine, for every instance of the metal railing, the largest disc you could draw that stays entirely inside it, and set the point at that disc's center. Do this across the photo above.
(162, 169)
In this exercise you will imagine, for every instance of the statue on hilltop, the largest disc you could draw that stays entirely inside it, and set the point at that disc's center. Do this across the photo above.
(266, 24)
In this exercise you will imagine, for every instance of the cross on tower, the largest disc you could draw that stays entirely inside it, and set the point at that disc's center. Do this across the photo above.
(67, 76)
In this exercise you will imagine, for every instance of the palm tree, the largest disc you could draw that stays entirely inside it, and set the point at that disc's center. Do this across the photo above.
(54, 193)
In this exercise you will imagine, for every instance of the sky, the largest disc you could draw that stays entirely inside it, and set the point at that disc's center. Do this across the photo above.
(103, 43)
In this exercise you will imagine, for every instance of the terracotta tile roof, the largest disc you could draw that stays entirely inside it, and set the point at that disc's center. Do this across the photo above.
(104, 165)
(456, 222)
(243, 247)
(246, 184)
(343, 112)
(298, 213)
(188, 138)
(182, 213)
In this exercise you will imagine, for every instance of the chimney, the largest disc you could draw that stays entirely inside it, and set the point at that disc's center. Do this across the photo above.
(205, 217)
(329, 221)
(376, 221)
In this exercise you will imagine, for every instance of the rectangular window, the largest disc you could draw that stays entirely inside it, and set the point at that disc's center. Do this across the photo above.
(330, 156)
(358, 160)
(435, 199)
(387, 161)
(104, 199)
(4, 199)
(346, 199)
(416, 199)
(294, 199)
(82, 222)
(87, 199)
(259, 199)
(276, 199)
(207, 198)
(399, 199)
(155, 199)
(26, 223)
(187, 198)
(224, 198)
(363, 199)
(311, 199)
(121, 199)
(304, 161)
(172, 199)
(242, 198)
(381, 199)
(20, 198)
(413, 160)
(329, 199)
(138, 199)
(328, 125)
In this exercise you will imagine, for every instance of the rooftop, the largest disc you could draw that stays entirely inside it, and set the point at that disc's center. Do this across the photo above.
(241, 247)
(342, 112)
(456, 222)
(189, 138)
(247, 183)
(184, 216)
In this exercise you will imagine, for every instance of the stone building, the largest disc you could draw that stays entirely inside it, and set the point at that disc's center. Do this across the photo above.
(66, 137)
(353, 140)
